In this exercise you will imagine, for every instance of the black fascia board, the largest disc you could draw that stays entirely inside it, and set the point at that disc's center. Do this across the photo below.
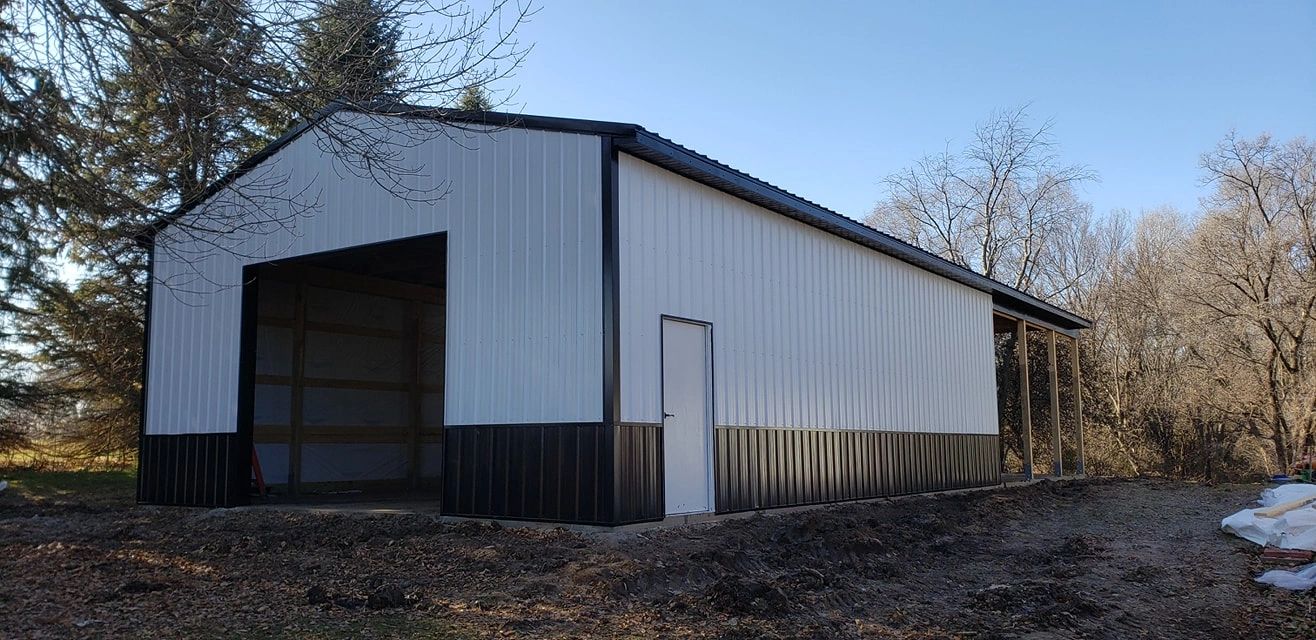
(499, 119)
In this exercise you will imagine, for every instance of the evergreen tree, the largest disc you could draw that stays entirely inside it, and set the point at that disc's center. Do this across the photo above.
(162, 131)
(169, 128)
(86, 343)
(474, 98)
(349, 50)
(30, 105)
(163, 99)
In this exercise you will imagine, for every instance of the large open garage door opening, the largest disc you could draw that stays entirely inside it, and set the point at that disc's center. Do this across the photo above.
(349, 373)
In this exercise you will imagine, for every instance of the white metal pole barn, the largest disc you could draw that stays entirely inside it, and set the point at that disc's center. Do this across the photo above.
(592, 325)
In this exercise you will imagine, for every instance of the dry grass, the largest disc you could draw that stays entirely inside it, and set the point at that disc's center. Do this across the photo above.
(54, 455)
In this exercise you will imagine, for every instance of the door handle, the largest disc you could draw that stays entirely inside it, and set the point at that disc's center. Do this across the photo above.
(668, 415)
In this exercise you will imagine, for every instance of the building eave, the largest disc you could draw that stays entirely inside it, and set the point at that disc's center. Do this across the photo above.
(651, 147)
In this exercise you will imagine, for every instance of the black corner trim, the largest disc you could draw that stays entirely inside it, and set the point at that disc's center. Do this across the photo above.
(240, 471)
(146, 362)
(611, 274)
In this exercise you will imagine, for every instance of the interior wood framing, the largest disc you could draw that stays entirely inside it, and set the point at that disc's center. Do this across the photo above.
(296, 433)
(345, 434)
(346, 281)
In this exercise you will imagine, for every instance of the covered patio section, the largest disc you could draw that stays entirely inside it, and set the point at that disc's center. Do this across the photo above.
(1026, 344)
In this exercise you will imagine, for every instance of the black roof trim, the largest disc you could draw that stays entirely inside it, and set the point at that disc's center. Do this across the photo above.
(654, 148)
(1017, 314)
(700, 168)
(147, 236)
(455, 116)
(509, 120)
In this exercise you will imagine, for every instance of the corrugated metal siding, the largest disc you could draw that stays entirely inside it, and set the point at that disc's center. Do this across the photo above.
(809, 330)
(761, 468)
(523, 214)
(198, 470)
(640, 472)
(532, 472)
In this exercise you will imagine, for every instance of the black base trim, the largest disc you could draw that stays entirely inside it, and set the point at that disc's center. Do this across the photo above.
(640, 473)
(191, 470)
(551, 472)
(558, 472)
(762, 468)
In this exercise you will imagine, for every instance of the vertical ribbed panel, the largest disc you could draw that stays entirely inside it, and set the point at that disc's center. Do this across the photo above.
(194, 470)
(529, 472)
(640, 472)
(522, 210)
(194, 353)
(761, 468)
(809, 329)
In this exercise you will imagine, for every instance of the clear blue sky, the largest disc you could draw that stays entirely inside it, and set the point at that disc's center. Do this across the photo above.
(825, 99)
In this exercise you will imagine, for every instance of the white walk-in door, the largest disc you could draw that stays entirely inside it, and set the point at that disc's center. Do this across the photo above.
(687, 417)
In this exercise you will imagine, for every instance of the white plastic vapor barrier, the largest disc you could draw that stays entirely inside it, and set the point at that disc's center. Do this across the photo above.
(1295, 529)
(1299, 580)
(1286, 493)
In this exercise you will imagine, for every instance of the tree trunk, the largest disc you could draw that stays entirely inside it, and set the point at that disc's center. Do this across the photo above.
(1281, 434)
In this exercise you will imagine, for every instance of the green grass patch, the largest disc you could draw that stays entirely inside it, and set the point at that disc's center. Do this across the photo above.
(94, 488)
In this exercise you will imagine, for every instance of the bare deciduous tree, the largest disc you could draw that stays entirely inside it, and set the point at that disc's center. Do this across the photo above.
(1200, 358)
(1003, 207)
(1254, 261)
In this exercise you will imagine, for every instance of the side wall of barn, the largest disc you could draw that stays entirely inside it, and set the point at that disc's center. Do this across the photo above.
(839, 373)
(522, 211)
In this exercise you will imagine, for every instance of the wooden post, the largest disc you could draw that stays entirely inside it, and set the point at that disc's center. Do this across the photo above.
(1057, 456)
(414, 344)
(297, 387)
(1025, 399)
(1078, 406)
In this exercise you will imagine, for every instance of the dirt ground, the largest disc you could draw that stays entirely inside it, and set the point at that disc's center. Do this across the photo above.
(1079, 559)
